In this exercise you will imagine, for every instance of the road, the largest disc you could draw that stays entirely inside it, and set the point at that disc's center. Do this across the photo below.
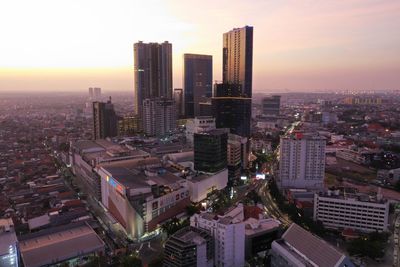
(270, 205)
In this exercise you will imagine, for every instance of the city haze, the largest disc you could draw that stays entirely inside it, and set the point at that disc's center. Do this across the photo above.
(298, 46)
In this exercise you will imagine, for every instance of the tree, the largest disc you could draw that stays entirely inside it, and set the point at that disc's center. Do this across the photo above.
(130, 261)
(192, 209)
(96, 261)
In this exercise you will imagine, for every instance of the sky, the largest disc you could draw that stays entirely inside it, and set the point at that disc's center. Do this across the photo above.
(307, 45)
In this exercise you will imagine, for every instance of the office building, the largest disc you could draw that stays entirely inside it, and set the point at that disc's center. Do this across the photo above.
(300, 248)
(234, 161)
(197, 82)
(141, 194)
(363, 100)
(231, 109)
(271, 105)
(153, 72)
(302, 161)
(198, 125)
(68, 244)
(9, 249)
(346, 209)
(159, 116)
(105, 121)
(189, 246)
(91, 93)
(210, 150)
(179, 102)
(238, 58)
(128, 126)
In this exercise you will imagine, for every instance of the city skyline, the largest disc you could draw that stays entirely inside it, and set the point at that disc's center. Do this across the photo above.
(298, 46)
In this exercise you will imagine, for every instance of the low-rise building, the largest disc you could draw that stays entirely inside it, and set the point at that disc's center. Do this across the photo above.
(342, 209)
(67, 243)
(300, 248)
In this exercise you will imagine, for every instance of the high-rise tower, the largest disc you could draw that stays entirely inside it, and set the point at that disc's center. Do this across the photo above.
(197, 82)
(153, 72)
(105, 121)
(238, 58)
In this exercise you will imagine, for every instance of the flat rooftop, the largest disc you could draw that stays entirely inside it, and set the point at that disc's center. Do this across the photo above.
(59, 244)
(312, 247)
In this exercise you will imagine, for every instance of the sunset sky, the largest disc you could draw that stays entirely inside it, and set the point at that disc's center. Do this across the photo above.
(299, 45)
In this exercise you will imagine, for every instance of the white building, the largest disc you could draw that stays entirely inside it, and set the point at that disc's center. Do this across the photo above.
(340, 210)
(159, 116)
(229, 236)
(198, 125)
(200, 185)
(302, 161)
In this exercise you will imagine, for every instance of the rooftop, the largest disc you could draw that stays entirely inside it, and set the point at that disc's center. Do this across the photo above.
(58, 244)
(311, 247)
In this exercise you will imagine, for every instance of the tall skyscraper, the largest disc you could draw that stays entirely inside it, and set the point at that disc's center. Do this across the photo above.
(271, 105)
(197, 82)
(210, 150)
(153, 72)
(90, 92)
(105, 121)
(231, 109)
(238, 58)
(302, 161)
(159, 116)
(178, 98)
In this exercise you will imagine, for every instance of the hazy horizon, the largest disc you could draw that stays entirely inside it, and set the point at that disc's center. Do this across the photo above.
(298, 45)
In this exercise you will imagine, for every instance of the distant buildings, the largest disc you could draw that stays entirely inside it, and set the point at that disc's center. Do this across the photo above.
(159, 116)
(9, 249)
(339, 209)
(302, 161)
(189, 246)
(105, 121)
(198, 125)
(363, 101)
(210, 150)
(238, 59)
(153, 72)
(231, 109)
(197, 82)
(94, 93)
(128, 126)
(299, 248)
(271, 105)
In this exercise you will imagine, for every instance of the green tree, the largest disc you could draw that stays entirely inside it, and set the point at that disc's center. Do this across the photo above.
(130, 261)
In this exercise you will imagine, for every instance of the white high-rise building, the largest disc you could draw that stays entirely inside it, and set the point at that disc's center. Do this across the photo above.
(302, 161)
(159, 116)
(229, 236)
